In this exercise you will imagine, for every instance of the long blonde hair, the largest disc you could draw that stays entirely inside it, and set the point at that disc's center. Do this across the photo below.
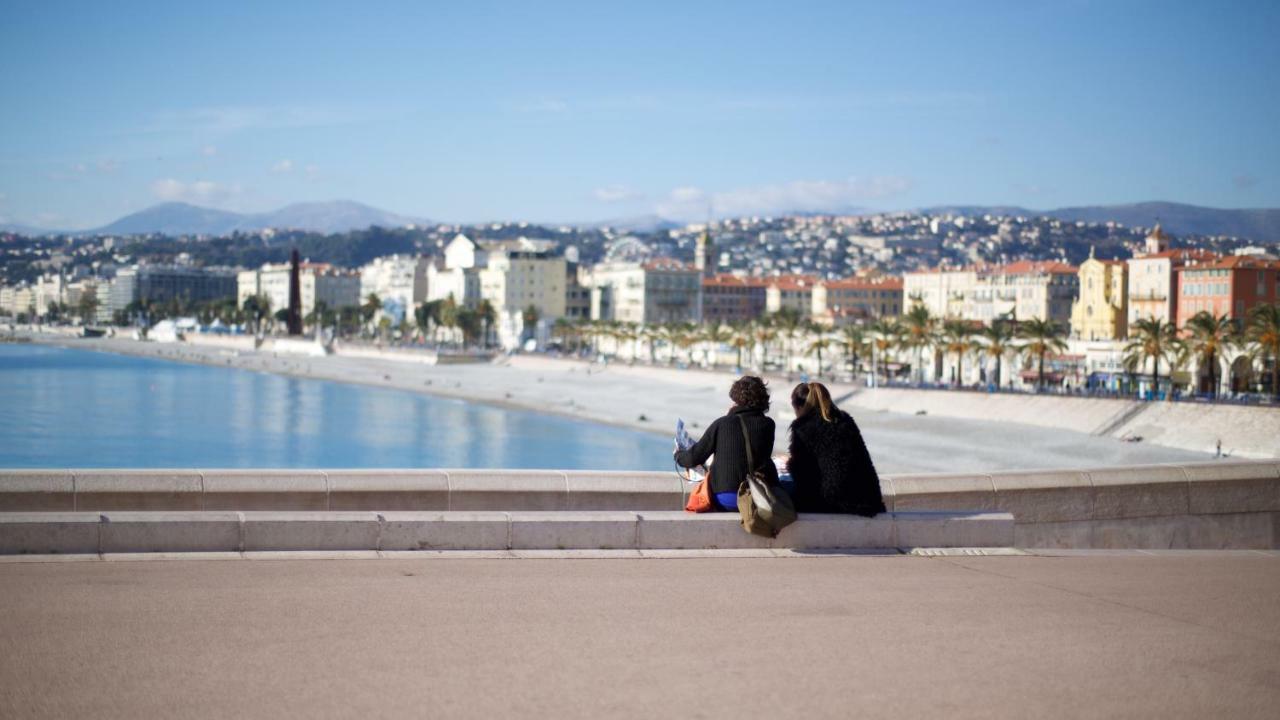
(810, 396)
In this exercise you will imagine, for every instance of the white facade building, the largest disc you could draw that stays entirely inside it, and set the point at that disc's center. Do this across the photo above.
(399, 281)
(319, 282)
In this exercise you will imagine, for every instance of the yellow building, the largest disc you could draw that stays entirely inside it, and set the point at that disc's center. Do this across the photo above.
(1101, 311)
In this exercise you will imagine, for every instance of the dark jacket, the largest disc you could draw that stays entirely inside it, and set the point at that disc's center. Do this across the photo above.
(724, 440)
(831, 467)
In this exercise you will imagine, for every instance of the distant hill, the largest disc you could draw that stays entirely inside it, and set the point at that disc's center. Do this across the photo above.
(1262, 225)
(638, 224)
(177, 218)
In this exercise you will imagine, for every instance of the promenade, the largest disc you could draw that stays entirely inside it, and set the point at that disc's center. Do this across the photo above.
(1098, 634)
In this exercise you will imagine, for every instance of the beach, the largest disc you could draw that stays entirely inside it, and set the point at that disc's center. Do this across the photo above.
(650, 399)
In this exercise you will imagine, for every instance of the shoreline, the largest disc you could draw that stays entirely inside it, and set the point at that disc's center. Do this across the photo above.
(649, 399)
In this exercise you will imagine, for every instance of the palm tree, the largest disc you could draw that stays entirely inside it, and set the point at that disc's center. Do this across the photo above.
(1263, 335)
(789, 325)
(1208, 337)
(820, 342)
(1041, 337)
(652, 335)
(853, 338)
(742, 339)
(885, 334)
(1154, 339)
(715, 335)
(997, 341)
(765, 334)
(919, 331)
(957, 337)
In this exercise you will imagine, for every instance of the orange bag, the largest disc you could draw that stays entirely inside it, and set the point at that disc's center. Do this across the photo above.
(700, 498)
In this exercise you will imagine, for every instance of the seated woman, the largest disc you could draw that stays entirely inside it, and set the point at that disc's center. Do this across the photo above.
(829, 462)
(724, 439)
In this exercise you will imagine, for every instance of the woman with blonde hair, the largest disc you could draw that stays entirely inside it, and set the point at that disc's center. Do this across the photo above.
(829, 462)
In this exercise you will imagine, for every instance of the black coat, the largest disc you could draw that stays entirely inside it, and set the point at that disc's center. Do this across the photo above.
(831, 467)
(724, 440)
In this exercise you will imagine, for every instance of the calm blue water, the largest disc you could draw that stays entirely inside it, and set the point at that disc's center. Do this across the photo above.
(73, 408)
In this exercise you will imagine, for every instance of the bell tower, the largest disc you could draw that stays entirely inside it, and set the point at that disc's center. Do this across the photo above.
(1157, 240)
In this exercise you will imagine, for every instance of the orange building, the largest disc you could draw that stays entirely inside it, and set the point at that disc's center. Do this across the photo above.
(1230, 286)
(848, 300)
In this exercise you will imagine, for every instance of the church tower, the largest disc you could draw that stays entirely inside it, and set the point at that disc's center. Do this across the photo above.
(1157, 241)
(703, 259)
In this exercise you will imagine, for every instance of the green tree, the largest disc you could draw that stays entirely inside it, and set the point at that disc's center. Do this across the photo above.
(1262, 333)
(853, 338)
(957, 339)
(821, 341)
(790, 327)
(1207, 339)
(713, 335)
(1039, 338)
(1152, 339)
(919, 331)
(885, 334)
(997, 341)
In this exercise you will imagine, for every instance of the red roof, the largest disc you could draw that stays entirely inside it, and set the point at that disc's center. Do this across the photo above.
(793, 282)
(1233, 262)
(856, 283)
(1033, 267)
(725, 280)
(1181, 256)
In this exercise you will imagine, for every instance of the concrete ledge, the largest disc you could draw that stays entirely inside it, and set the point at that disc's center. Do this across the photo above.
(565, 530)
(265, 490)
(445, 531)
(507, 490)
(1044, 496)
(592, 490)
(37, 490)
(145, 532)
(48, 533)
(388, 490)
(310, 531)
(943, 492)
(137, 490)
(1232, 488)
(1132, 492)
(218, 531)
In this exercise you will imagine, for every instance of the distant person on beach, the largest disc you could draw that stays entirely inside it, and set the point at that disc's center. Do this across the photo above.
(829, 462)
(724, 439)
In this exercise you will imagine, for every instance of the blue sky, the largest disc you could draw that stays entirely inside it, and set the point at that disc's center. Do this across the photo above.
(553, 111)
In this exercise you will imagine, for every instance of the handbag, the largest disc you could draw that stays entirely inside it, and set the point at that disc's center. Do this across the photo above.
(700, 499)
(765, 508)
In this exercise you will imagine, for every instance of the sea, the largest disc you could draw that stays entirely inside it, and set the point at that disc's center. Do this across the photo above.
(65, 408)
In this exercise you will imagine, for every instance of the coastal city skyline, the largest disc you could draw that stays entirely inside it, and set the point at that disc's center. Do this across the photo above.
(559, 114)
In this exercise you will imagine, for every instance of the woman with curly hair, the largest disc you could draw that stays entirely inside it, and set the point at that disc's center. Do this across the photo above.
(829, 462)
(724, 439)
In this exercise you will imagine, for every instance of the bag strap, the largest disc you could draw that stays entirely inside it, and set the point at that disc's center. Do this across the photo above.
(751, 463)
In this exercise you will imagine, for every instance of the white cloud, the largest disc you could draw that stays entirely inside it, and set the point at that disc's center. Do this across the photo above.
(615, 193)
(209, 150)
(691, 203)
(200, 192)
(312, 171)
(211, 122)
(283, 166)
(108, 166)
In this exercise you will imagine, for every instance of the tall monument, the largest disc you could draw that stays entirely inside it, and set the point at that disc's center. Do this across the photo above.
(703, 259)
(294, 320)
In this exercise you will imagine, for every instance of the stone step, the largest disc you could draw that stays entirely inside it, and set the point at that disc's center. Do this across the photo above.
(221, 531)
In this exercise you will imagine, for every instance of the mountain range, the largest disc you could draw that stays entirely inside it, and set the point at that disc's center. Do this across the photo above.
(176, 218)
(1261, 225)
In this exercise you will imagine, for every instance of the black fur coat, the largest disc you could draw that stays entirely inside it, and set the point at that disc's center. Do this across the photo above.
(831, 467)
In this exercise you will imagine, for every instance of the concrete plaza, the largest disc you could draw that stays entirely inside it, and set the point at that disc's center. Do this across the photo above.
(1123, 634)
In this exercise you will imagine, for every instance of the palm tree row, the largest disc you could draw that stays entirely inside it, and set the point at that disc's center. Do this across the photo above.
(918, 334)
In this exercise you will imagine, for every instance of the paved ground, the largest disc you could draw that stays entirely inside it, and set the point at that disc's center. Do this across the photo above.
(1173, 635)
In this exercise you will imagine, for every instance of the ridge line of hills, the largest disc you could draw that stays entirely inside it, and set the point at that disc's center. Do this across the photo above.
(176, 218)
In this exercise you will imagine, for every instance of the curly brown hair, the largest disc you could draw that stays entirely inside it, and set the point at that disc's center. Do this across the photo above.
(750, 391)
